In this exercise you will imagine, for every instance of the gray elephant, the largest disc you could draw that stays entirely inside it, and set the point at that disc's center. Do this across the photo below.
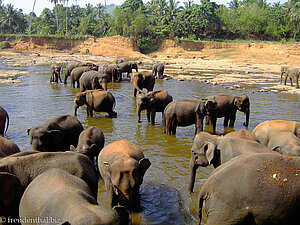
(253, 189)
(122, 166)
(267, 129)
(114, 72)
(90, 143)
(55, 73)
(143, 79)
(292, 74)
(158, 70)
(286, 143)
(283, 71)
(242, 133)
(71, 65)
(24, 167)
(56, 134)
(214, 150)
(7, 147)
(127, 67)
(227, 105)
(185, 113)
(92, 80)
(154, 101)
(68, 200)
(4, 119)
(77, 72)
(96, 100)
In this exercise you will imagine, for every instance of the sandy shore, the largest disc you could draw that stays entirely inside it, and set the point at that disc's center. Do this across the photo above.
(225, 72)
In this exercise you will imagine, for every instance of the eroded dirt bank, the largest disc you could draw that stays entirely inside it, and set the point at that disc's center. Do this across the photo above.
(235, 65)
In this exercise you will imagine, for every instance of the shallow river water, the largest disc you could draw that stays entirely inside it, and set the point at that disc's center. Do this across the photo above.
(164, 193)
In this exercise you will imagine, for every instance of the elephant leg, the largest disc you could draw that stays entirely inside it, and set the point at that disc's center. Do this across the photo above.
(78, 85)
(193, 168)
(59, 78)
(89, 111)
(297, 82)
(134, 92)
(148, 115)
(214, 124)
(153, 117)
(285, 79)
(226, 120)
(291, 82)
(232, 120)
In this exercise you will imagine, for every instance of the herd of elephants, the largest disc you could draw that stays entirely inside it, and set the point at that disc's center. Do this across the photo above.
(256, 179)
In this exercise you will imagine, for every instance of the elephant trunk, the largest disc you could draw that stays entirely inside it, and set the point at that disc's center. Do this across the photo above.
(193, 168)
(104, 85)
(139, 110)
(75, 109)
(247, 112)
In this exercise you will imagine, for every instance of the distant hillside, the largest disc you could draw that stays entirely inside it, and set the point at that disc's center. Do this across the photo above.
(110, 9)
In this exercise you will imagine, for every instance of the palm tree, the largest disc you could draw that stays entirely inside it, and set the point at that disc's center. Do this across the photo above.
(55, 2)
(31, 14)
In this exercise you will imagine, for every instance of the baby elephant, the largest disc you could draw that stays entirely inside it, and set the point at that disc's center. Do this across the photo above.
(66, 199)
(90, 143)
(55, 73)
(143, 79)
(97, 100)
(293, 74)
(154, 101)
(158, 70)
(123, 166)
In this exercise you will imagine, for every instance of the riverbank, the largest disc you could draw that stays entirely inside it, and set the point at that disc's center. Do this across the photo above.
(233, 65)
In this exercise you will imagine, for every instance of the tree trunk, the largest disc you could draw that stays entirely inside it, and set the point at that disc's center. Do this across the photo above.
(31, 16)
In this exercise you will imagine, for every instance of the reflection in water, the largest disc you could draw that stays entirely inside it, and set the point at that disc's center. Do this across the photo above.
(35, 101)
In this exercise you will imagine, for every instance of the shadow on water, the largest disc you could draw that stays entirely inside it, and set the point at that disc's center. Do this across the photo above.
(164, 194)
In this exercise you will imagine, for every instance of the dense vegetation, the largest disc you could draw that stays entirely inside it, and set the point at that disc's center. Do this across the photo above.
(160, 19)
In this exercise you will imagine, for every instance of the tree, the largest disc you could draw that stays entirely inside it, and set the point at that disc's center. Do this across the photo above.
(12, 20)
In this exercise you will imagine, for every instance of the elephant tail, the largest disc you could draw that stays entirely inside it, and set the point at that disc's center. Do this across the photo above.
(202, 196)
(6, 114)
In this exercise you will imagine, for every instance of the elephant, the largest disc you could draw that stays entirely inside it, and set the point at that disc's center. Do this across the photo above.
(77, 72)
(253, 189)
(26, 166)
(71, 65)
(92, 80)
(227, 105)
(267, 129)
(214, 150)
(55, 73)
(153, 101)
(122, 166)
(158, 70)
(90, 143)
(283, 71)
(242, 133)
(292, 73)
(97, 100)
(114, 72)
(7, 147)
(141, 80)
(3, 118)
(186, 113)
(56, 134)
(127, 67)
(286, 143)
(66, 199)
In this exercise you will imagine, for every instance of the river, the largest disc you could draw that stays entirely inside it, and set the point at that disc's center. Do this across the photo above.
(164, 194)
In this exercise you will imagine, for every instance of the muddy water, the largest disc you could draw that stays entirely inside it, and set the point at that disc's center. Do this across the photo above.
(164, 193)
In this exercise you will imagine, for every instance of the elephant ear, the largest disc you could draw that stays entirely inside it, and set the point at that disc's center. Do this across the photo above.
(210, 149)
(210, 105)
(89, 98)
(144, 164)
(55, 137)
(11, 190)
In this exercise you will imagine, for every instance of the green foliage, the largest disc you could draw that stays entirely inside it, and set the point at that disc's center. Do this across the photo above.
(157, 20)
